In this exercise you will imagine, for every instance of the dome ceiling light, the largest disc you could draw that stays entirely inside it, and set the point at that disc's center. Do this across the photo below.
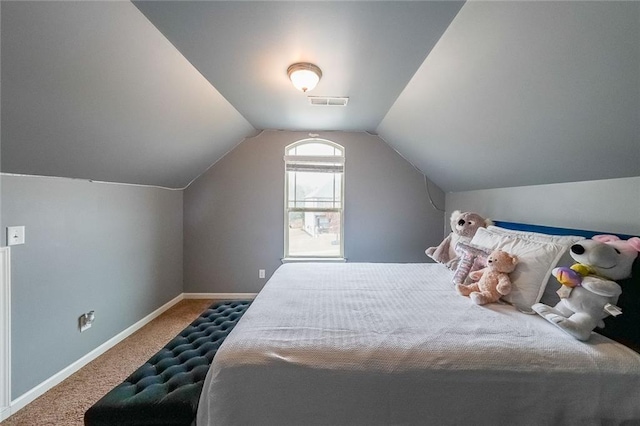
(304, 75)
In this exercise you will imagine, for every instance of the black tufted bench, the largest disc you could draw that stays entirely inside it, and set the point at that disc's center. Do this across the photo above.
(166, 389)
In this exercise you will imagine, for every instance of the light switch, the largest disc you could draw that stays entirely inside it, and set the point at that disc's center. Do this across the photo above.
(15, 235)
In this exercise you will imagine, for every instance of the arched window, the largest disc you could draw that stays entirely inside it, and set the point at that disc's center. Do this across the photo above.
(314, 199)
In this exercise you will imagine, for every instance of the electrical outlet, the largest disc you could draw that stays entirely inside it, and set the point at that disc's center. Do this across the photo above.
(84, 327)
(86, 321)
(261, 273)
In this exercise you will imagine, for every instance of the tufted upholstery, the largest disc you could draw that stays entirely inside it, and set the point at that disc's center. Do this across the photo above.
(166, 389)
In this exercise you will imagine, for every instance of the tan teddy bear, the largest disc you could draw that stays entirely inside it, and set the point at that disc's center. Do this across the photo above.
(494, 281)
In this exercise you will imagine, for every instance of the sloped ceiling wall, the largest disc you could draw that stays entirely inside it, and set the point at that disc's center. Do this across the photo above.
(95, 91)
(525, 93)
(513, 93)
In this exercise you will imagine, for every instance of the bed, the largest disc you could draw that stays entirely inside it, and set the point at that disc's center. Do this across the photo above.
(393, 344)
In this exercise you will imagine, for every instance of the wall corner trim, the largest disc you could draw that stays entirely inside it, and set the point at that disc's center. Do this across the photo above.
(5, 332)
(29, 396)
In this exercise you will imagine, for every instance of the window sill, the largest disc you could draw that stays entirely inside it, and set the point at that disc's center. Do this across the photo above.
(314, 259)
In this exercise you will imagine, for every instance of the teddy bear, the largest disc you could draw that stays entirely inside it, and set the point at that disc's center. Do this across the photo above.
(463, 227)
(589, 291)
(493, 280)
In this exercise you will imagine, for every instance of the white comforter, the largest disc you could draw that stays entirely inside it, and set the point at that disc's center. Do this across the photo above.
(393, 344)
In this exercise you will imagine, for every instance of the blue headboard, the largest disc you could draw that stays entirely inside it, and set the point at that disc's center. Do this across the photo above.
(554, 231)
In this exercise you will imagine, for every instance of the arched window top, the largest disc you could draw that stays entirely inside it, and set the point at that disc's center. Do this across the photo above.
(315, 148)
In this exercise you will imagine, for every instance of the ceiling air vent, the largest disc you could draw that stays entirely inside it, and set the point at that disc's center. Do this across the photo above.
(328, 100)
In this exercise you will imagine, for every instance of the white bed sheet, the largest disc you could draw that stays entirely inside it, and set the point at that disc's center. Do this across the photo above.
(393, 344)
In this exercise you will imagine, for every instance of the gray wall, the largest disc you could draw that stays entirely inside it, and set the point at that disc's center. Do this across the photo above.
(234, 219)
(115, 249)
(611, 205)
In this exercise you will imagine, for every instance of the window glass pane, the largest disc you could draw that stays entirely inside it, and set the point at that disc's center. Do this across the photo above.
(314, 148)
(315, 189)
(337, 189)
(291, 189)
(314, 234)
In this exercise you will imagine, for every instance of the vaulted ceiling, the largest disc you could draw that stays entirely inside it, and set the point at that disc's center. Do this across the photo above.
(477, 95)
(367, 51)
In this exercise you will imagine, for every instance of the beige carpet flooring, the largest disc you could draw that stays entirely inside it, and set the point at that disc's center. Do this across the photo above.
(65, 404)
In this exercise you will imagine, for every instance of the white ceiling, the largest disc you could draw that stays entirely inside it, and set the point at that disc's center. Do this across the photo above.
(489, 94)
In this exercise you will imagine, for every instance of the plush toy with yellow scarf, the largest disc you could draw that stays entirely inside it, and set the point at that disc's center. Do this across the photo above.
(589, 292)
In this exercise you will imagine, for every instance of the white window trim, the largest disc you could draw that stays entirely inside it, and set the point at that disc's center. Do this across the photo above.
(334, 159)
(313, 259)
(317, 159)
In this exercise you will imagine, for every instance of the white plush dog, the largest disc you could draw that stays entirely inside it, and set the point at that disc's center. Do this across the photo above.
(589, 292)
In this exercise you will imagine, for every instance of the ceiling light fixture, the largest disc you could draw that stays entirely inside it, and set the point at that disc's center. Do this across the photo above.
(304, 75)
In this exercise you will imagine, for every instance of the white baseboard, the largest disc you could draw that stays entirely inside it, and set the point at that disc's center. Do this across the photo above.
(5, 412)
(52, 381)
(29, 396)
(220, 296)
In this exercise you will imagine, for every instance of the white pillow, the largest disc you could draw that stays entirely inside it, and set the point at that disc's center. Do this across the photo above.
(536, 259)
(549, 296)
(565, 240)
